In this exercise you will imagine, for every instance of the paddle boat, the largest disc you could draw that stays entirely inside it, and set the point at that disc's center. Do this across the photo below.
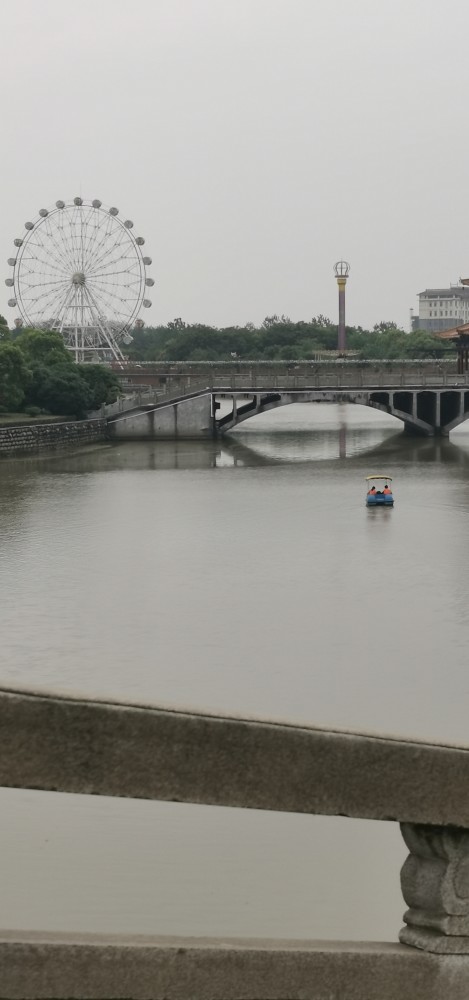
(379, 495)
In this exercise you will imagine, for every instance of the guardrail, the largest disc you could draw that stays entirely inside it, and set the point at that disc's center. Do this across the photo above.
(108, 748)
(352, 380)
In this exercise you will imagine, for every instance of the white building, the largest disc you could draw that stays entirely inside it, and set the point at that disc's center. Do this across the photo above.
(442, 308)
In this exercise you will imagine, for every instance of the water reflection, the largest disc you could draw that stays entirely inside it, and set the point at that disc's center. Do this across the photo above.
(245, 575)
(343, 440)
(306, 432)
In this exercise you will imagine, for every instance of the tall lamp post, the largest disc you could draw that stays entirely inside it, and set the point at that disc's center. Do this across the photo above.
(341, 270)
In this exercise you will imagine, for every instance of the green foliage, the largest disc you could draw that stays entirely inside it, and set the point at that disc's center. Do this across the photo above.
(323, 322)
(38, 373)
(423, 345)
(14, 377)
(279, 338)
(177, 324)
(386, 341)
(102, 382)
(44, 347)
(4, 330)
(60, 390)
(385, 327)
(273, 321)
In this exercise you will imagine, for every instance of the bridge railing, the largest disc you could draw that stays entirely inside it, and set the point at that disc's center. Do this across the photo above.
(352, 380)
(106, 748)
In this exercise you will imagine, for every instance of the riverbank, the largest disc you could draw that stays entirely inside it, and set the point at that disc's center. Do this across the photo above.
(32, 438)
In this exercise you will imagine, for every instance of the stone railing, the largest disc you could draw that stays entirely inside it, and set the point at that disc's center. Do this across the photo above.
(364, 379)
(106, 748)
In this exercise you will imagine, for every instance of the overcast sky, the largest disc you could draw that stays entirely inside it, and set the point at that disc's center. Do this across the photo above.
(253, 143)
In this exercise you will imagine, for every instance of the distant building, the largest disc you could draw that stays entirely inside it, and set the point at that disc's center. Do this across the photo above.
(442, 308)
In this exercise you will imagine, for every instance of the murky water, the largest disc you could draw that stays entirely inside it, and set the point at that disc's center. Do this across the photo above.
(248, 576)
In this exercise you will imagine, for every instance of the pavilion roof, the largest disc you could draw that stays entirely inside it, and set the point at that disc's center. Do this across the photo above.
(454, 332)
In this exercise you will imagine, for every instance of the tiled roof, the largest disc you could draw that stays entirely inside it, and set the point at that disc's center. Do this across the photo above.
(454, 332)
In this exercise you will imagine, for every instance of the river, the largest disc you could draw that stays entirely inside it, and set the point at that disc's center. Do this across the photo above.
(244, 575)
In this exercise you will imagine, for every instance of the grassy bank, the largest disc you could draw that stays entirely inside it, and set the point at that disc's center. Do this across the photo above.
(17, 419)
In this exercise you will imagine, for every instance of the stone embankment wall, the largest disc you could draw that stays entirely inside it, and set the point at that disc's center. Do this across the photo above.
(29, 439)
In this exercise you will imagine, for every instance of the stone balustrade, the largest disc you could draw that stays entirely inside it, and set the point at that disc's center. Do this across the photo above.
(97, 747)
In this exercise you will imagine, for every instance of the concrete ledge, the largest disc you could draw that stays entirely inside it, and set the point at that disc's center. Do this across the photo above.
(92, 747)
(54, 967)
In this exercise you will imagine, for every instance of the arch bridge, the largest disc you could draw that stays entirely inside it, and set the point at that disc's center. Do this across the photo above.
(190, 407)
(425, 411)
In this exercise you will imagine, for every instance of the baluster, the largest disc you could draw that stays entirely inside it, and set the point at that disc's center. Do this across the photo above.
(435, 885)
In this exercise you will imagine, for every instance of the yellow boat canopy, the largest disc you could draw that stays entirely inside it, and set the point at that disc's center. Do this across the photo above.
(378, 477)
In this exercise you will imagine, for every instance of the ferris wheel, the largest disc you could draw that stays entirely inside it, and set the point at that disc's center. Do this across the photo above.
(80, 270)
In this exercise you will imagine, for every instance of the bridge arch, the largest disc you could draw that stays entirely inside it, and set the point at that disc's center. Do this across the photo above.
(262, 402)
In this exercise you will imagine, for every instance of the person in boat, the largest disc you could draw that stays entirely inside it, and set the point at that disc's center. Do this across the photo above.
(386, 490)
(372, 492)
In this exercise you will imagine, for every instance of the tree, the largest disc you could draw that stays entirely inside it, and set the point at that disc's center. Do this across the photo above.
(323, 321)
(386, 326)
(275, 320)
(289, 353)
(60, 390)
(177, 324)
(44, 347)
(4, 330)
(14, 377)
(102, 382)
(422, 344)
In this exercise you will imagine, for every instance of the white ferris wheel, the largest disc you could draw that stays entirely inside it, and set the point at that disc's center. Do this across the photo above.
(80, 270)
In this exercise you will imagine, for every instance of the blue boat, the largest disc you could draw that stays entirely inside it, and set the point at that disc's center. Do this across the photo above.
(382, 495)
